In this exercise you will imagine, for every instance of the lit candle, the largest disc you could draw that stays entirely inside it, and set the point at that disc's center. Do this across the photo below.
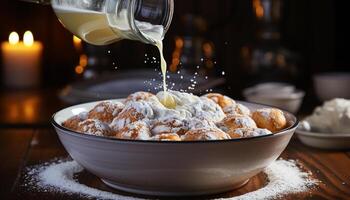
(21, 60)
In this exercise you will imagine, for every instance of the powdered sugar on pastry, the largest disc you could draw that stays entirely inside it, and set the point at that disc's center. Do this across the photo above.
(133, 111)
(205, 134)
(105, 111)
(195, 123)
(138, 130)
(265, 112)
(83, 116)
(249, 132)
(195, 106)
(94, 127)
(231, 122)
(140, 96)
(168, 125)
(237, 109)
(222, 100)
(73, 122)
(270, 118)
(167, 137)
(144, 117)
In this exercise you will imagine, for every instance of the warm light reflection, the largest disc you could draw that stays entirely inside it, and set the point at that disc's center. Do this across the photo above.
(23, 109)
(77, 42)
(179, 42)
(29, 106)
(208, 49)
(13, 111)
(79, 69)
(209, 64)
(258, 8)
(13, 38)
(245, 52)
(280, 60)
(83, 59)
(28, 38)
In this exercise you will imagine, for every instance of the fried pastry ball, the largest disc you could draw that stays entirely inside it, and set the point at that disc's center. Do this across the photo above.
(195, 123)
(133, 111)
(167, 137)
(170, 125)
(205, 134)
(231, 122)
(222, 100)
(233, 134)
(140, 96)
(272, 119)
(237, 109)
(105, 111)
(247, 132)
(138, 130)
(73, 122)
(94, 127)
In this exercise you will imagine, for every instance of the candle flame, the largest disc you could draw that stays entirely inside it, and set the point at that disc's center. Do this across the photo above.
(28, 38)
(13, 38)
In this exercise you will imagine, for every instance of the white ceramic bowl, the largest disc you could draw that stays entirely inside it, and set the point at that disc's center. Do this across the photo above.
(332, 85)
(324, 140)
(285, 97)
(168, 167)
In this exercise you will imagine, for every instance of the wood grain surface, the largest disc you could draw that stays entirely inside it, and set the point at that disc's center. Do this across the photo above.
(23, 148)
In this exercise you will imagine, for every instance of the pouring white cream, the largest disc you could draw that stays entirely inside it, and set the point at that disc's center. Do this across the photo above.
(102, 28)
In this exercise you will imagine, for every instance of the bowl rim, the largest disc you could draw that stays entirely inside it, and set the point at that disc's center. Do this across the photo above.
(337, 75)
(304, 132)
(297, 95)
(112, 139)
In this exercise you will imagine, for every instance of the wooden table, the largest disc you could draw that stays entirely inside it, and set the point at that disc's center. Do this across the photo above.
(20, 148)
(28, 145)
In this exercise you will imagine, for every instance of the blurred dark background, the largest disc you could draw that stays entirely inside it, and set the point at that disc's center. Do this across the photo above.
(314, 34)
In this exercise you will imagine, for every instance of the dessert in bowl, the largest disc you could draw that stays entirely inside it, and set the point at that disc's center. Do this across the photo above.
(188, 145)
(328, 127)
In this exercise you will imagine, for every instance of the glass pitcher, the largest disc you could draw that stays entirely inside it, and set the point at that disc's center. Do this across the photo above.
(102, 22)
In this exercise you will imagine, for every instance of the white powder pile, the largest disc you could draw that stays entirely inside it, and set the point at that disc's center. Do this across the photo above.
(284, 177)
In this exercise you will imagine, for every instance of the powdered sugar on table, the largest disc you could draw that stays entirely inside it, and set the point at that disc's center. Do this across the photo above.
(284, 177)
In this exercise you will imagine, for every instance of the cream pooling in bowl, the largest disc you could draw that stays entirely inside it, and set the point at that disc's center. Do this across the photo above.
(200, 107)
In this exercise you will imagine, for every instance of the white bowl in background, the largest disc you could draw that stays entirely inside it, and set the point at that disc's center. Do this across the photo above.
(331, 141)
(280, 95)
(332, 85)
